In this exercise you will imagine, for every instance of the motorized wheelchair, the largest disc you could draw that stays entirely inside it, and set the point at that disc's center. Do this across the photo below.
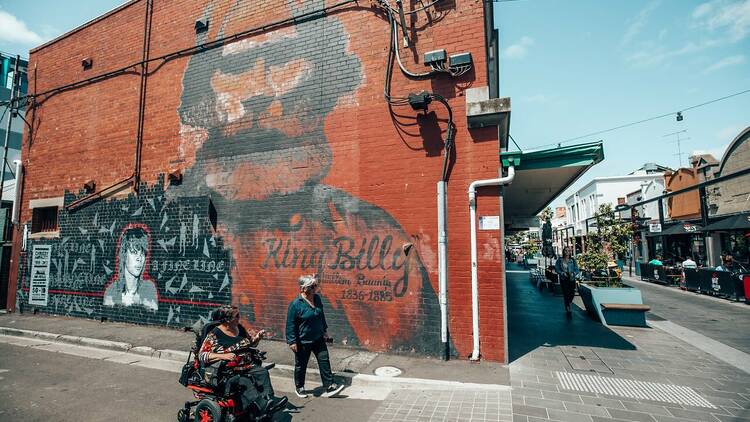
(208, 384)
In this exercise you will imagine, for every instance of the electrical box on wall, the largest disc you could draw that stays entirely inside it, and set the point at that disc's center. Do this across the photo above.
(434, 57)
(459, 59)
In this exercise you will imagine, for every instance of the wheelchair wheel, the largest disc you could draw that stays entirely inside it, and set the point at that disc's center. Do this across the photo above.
(208, 411)
(183, 415)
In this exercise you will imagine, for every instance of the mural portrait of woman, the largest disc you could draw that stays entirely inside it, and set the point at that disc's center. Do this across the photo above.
(129, 287)
(253, 115)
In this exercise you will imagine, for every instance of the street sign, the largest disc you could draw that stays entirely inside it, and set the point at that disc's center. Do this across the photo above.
(654, 228)
(489, 222)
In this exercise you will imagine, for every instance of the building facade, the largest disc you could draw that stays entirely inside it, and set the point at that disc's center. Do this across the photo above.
(583, 205)
(13, 156)
(731, 198)
(246, 144)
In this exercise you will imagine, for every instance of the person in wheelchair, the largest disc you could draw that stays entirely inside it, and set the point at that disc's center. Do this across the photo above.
(230, 375)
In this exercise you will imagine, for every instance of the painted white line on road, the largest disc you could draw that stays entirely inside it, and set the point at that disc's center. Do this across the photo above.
(284, 384)
(728, 354)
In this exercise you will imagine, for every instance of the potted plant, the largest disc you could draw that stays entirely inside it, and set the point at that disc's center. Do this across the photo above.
(602, 291)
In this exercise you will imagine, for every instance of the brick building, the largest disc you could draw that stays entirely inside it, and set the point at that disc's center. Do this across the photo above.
(187, 154)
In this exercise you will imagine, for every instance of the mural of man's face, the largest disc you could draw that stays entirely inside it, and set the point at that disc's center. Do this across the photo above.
(134, 262)
(253, 110)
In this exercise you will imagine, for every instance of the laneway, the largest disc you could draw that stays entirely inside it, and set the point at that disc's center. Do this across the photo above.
(537, 319)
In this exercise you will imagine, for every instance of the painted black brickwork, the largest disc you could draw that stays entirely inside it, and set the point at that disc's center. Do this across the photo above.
(186, 261)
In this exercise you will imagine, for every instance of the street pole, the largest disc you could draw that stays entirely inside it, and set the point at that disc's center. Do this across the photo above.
(704, 222)
(661, 224)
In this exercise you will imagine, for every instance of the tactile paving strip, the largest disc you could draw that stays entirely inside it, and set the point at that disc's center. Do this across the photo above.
(643, 390)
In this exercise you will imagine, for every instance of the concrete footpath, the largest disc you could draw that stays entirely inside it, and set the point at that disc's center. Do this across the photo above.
(576, 369)
(562, 369)
(355, 368)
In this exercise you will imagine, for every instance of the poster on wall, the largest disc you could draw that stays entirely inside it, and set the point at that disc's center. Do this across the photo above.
(39, 289)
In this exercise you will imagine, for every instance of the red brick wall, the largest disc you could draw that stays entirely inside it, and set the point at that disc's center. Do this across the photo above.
(357, 176)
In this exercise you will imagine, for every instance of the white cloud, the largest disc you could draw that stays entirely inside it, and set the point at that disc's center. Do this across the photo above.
(14, 30)
(716, 152)
(638, 22)
(728, 133)
(537, 99)
(723, 137)
(726, 61)
(733, 16)
(519, 49)
(656, 55)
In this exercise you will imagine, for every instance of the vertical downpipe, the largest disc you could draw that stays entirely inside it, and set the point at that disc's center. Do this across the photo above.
(442, 203)
(142, 99)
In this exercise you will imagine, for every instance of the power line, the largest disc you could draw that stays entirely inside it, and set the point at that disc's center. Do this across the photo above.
(661, 116)
(13, 56)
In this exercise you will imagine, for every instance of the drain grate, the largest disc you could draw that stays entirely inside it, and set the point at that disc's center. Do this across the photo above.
(643, 390)
(585, 359)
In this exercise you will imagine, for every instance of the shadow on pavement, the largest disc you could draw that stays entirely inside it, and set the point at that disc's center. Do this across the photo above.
(537, 319)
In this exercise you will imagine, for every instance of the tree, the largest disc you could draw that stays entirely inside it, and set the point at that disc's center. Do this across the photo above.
(610, 241)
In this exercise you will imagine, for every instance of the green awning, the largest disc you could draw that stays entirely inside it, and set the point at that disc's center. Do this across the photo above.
(542, 175)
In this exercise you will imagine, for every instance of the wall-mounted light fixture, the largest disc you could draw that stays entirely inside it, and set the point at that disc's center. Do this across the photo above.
(89, 186)
(87, 63)
(201, 25)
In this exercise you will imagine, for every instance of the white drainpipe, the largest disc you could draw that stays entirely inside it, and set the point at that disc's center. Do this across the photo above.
(474, 283)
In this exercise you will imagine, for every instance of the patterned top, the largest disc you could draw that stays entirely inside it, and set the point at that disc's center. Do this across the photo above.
(218, 342)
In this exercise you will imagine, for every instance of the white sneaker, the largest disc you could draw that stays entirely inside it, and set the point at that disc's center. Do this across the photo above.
(300, 392)
(333, 390)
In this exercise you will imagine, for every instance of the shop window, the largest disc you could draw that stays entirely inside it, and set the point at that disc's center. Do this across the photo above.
(44, 219)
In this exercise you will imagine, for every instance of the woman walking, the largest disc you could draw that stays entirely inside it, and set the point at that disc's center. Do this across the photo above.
(567, 270)
(306, 333)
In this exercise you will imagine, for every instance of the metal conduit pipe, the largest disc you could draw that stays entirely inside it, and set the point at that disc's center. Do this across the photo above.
(501, 181)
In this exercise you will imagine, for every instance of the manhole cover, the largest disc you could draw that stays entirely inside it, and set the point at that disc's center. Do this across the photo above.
(387, 371)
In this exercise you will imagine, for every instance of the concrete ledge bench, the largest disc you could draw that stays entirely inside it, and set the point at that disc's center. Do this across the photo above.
(625, 314)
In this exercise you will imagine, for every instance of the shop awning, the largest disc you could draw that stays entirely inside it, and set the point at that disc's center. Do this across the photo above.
(735, 222)
(542, 175)
(681, 228)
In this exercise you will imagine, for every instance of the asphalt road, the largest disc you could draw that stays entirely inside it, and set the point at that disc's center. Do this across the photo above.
(719, 319)
(37, 385)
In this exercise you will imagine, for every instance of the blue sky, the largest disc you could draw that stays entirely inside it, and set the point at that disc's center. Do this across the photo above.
(578, 66)
(571, 67)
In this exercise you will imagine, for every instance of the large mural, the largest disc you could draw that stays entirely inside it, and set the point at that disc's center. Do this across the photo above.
(144, 258)
(252, 119)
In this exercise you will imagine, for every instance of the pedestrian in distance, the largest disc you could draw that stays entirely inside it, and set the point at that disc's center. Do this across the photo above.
(689, 263)
(730, 265)
(306, 333)
(656, 261)
(567, 271)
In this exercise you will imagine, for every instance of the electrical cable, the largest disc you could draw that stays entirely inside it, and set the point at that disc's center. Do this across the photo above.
(514, 142)
(449, 136)
(403, 68)
(661, 116)
(389, 70)
(197, 48)
(411, 12)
